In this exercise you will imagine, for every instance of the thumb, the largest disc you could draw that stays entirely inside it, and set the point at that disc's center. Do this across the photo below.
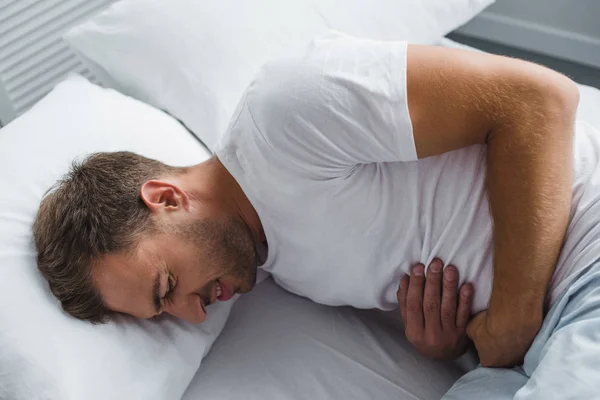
(471, 329)
(475, 324)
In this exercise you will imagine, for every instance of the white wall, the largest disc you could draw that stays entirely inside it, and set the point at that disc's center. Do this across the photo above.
(568, 29)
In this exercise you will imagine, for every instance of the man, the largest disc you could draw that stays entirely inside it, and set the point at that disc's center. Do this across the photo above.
(317, 181)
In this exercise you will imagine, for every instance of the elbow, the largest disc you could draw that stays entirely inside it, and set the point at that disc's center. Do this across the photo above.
(559, 99)
(570, 93)
(565, 93)
(541, 104)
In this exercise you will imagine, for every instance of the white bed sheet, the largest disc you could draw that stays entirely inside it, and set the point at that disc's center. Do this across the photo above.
(277, 346)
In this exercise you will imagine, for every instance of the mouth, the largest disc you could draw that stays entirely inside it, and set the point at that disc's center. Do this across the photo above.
(220, 291)
(219, 288)
(224, 291)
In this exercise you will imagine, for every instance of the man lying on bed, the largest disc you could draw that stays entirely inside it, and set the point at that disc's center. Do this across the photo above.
(317, 181)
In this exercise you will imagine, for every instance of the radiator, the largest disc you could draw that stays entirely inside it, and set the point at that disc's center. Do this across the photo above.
(33, 56)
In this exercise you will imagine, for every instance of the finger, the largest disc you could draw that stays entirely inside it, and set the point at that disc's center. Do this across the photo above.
(414, 299)
(449, 298)
(433, 296)
(401, 294)
(465, 302)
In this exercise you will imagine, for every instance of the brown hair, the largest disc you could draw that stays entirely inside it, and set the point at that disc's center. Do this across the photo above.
(94, 210)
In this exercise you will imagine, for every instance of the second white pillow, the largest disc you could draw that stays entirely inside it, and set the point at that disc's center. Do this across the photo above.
(195, 58)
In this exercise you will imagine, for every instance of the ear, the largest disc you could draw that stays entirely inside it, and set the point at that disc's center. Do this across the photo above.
(163, 196)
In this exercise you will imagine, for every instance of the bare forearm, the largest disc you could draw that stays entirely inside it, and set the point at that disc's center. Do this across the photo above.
(525, 114)
(529, 184)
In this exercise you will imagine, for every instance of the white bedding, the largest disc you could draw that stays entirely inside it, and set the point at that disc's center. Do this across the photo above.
(277, 346)
(44, 353)
(194, 59)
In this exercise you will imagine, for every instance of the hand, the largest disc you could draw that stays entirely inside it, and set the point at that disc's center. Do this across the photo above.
(435, 320)
(499, 345)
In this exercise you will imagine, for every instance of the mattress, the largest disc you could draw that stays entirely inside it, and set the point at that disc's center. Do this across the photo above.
(278, 346)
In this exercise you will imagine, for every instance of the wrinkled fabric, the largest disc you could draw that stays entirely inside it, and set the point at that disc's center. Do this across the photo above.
(563, 361)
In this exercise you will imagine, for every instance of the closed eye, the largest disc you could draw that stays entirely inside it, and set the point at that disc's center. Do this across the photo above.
(171, 283)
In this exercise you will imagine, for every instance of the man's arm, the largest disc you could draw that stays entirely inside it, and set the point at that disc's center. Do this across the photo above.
(525, 114)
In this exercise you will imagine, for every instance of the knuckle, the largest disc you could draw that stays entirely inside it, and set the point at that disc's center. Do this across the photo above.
(450, 286)
(434, 277)
(447, 312)
(431, 307)
(417, 281)
(414, 306)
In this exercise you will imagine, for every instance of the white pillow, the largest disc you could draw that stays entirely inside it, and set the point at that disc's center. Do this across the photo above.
(195, 58)
(44, 353)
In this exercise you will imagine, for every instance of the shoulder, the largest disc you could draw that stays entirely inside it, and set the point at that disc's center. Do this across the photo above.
(333, 70)
(283, 89)
(324, 107)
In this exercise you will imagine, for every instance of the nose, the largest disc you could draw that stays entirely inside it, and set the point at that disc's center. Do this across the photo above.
(188, 308)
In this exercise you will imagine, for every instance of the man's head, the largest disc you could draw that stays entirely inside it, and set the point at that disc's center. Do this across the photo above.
(124, 233)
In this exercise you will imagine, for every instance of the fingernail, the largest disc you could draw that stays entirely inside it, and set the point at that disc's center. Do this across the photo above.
(436, 266)
(418, 270)
(450, 274)
(467, 291)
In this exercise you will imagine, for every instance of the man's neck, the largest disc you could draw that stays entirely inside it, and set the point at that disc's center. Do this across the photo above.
(218, 184)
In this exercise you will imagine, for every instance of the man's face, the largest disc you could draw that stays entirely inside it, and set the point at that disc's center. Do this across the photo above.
(180, 271)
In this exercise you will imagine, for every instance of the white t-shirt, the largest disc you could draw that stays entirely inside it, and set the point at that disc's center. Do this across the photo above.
(322, 145)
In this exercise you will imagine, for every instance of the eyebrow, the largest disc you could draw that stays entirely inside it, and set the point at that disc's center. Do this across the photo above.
(156, 293)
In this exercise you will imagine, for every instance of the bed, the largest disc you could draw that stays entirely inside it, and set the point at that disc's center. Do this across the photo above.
(280, 346)
(272, 345)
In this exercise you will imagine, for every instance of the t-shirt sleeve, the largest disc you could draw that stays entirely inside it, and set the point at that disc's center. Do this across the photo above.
(339, 104)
